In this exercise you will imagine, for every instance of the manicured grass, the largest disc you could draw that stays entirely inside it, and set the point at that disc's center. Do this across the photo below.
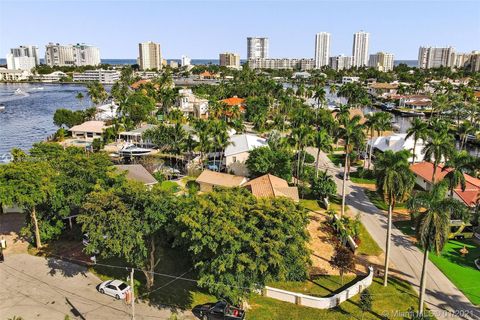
(398, 295)
(461, 270)
(169, 186)
(378, 201)
(356, 177)
(367, 246)
(310, 204)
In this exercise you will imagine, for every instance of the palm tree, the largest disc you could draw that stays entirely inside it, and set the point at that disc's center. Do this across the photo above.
(394, 183)
(438, 148)
(418, 130)
(301, 136)
(457, 165)
(319, 95)
(432, 210)
(322, 140)
(351, 131)
(370, 125)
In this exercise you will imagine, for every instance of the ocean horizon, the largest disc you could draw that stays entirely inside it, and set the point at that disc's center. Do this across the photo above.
(410, 63)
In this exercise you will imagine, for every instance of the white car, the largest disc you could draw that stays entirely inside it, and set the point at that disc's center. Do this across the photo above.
(114, 288)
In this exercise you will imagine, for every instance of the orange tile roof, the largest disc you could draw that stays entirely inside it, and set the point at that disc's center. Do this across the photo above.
(233, 101)
(472, 189)
(271, 186)
(137, 84)
(207, 74)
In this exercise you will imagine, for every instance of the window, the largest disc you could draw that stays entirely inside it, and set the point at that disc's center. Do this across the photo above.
(111, 287)
(234, 159)
(122, 286)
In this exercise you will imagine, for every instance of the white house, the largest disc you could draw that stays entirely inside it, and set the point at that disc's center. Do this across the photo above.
(88, 130)
(107, 112)
(397, 142)
(350, 79)
(237, 153)
(55, 76)
(191, 105)
(14, 75)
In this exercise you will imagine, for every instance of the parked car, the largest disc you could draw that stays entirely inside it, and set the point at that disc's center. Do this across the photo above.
(114, 288)
(220, 310)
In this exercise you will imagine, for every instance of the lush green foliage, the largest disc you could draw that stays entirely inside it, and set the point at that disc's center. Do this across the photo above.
(265, 160)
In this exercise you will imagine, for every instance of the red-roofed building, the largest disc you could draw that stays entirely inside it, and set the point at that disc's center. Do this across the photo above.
(424, 171)
(139, 83)
(207, 75)
(235, 101)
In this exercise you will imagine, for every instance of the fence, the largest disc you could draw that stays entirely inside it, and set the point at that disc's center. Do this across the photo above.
(320, 303)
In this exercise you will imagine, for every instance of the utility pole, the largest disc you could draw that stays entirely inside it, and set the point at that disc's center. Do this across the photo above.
(133, 294)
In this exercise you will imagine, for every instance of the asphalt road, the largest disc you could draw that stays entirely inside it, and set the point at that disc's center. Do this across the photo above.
(443, 297)
(39, 288)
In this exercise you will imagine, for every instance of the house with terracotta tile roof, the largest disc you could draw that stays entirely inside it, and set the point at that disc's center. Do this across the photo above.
(235, 101)
(210, 179)
(423, 172)
(207, 75)
(88, 130)
(270, 186)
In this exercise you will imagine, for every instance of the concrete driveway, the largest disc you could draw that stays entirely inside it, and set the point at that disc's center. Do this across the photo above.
(39, 288)
(444, 299)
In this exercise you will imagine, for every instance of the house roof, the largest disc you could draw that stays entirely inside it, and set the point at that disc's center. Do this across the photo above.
(138, 173)
(244, 143)
(384, 85)
(397, 142)
(271, 186)
(89, 126)
(233, 101)
(207, 74)
(220, 179)
(138, 131)
(472, 189)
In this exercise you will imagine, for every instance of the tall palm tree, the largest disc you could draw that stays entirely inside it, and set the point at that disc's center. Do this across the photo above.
(322, 140)
(301, 136)
(370, 125)
(432, 211)
(319, 95)
(351, 131)
(457, 165)
(418, 130)
(394, 183)
(437, 149)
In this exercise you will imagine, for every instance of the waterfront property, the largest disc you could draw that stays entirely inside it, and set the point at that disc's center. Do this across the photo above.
(55, 76)
(14, 75)
(136, 136)
(107, 112)
(102, 76)
(210, 179)
(238, 151)
(382, 89)
(88, 130)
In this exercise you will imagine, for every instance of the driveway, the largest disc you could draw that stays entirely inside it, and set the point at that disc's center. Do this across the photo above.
(40, 288)
(444, 299)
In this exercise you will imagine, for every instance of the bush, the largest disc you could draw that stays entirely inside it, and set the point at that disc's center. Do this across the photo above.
(192, 186)
(308, 157)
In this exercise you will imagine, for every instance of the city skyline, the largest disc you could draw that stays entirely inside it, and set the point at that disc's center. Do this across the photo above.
(290, 32)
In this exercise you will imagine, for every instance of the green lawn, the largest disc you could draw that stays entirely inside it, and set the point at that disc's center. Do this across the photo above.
(367, 246)
(337, 158)
(461, 270)
(398, 295)
(310, 204)
(169, 186)
(357, 177)
(378, 201)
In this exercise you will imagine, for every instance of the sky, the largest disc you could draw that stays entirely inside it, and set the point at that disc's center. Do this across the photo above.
(203, 29)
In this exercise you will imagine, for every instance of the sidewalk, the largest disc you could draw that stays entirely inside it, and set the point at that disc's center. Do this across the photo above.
(443, 297)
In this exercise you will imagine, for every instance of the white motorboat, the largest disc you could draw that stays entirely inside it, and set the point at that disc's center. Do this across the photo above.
(132, 150)
(2, 107)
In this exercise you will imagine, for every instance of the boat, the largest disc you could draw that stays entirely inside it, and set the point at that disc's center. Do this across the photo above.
(130, 150)
(19, 91)
(2, 107)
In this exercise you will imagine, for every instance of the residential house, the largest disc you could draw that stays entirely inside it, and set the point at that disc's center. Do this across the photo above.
(107, 112)
(137, 172)
(206, 75)
(382, 89)
(270, 186)
(423, 172)
(235, 101)
(210, 179)
(238, 151)
(191, 105)
(415, 102)
(398, 142)
(88, 130)
(55, 76)
(14, 75)
(136, 136)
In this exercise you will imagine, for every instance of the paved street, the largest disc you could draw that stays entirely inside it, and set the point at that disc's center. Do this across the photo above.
(406, 258)
(38, 288)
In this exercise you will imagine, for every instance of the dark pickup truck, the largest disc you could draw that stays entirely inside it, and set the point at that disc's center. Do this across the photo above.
(220, 310)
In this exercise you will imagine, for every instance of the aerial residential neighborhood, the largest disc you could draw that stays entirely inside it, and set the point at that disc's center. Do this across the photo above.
(240, 160)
